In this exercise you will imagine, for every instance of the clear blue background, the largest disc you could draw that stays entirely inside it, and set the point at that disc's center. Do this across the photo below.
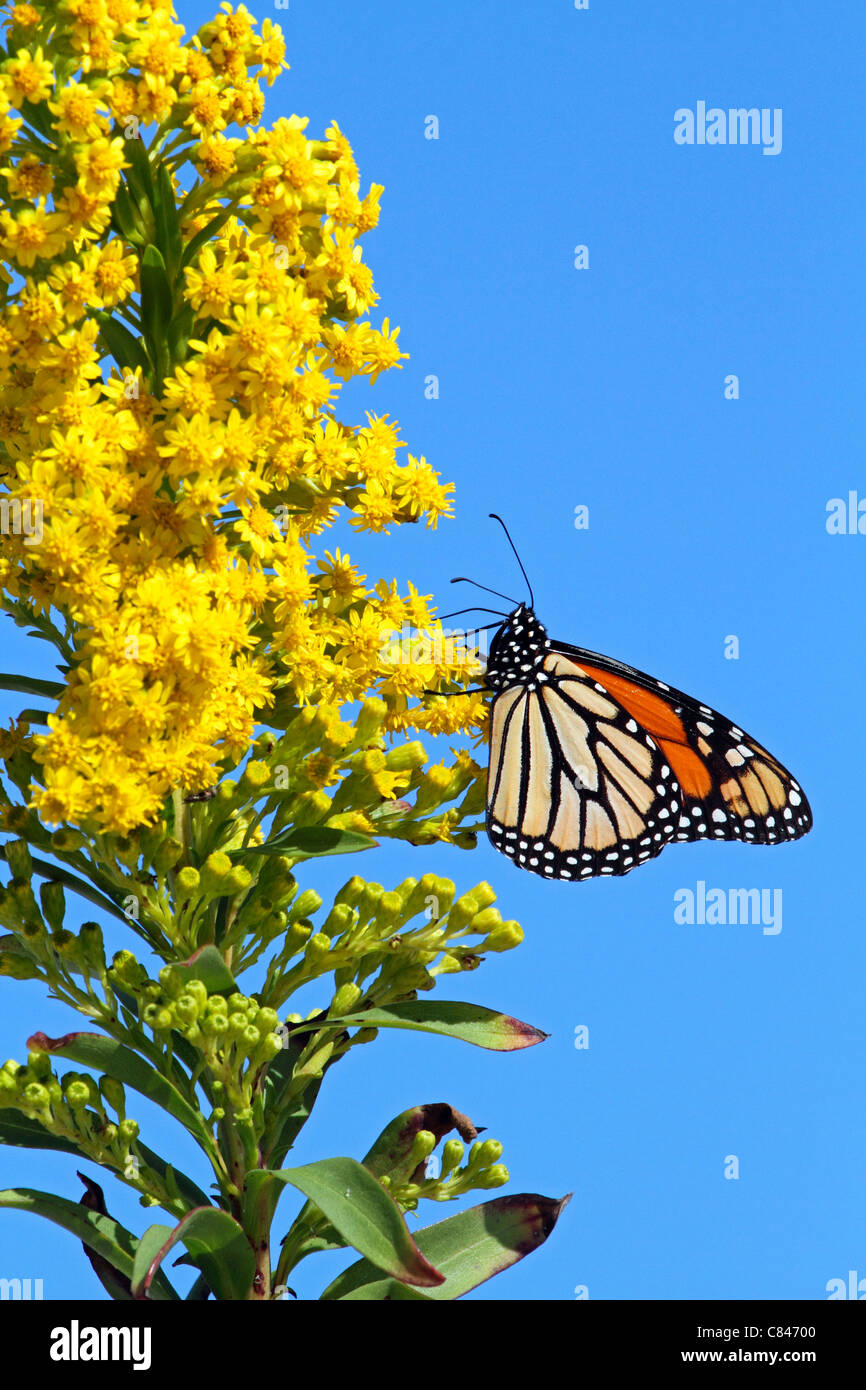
(707, 518)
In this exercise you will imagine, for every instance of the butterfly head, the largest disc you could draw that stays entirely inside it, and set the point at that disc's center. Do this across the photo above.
(518, 648)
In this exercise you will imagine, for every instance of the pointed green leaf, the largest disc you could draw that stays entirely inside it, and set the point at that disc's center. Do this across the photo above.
(468, 1248)
(467, 1022)
(216, 1245)
(127, 351)
(102, 1234)
(156, 297)
(310, 842)
(29, 685)
(356, 1205)
(207, 233)
(168, 234)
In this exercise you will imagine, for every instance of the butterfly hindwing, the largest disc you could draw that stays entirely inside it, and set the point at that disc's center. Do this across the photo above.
(733, 789)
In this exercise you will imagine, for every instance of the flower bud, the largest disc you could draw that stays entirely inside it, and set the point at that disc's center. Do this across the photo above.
(422, 1147)
(166, 855)
(484, 922)
(317, 948)
(256, 775)
(297, 936)
(304, 906)
(215, 871)
(389, 909)
(462, 912)
(339, 919)
(188, 880)
(504, 937)
(406, 757)
(18, 858)
(452, 1156)
(371, 717)
(77, 1095)
(35, 1096)
(65, 943)
(92, 950)
(53, 901)
(66, 840)
(495, 1176)
(113, 1092)
(266, 1020)
(344, 1001)
(351, 892)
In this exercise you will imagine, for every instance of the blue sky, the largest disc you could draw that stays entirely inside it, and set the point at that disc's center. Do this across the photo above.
(605, 387)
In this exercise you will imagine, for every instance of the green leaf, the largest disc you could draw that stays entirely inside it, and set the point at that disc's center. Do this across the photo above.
(35, 716)
(106, 1055)
(356, 1205)
(20, 1132)
(29, 685)
(207, 233)
(168, 233)
(387, 1291)
(286, 1119)
(207, 965)
(216, 1245)
(105, 1236)
(310, 842)
(468, 1248)
(156, 298)
(127, 350)
(468, 1022)
(124, 219)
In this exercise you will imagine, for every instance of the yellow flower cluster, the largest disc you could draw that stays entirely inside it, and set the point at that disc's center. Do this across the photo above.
(179, 312)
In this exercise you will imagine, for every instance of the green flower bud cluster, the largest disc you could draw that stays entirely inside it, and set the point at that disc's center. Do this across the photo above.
(387, 944)
(42, 935)
(72, 1107)
(482, 1170)
(235, 1033)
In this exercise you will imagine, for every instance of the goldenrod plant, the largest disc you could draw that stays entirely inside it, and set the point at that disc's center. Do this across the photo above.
(183, 295)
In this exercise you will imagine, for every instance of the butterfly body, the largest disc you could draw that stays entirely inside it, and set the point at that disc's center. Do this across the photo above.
(596, 766)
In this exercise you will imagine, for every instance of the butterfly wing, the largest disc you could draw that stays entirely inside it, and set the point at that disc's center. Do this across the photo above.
(596, 766)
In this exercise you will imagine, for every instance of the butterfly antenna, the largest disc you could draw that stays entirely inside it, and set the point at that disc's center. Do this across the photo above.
(461, 579)
(443, 617)
(494, 517)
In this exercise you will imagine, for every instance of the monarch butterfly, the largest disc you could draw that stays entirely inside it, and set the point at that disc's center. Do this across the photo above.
(595, 766)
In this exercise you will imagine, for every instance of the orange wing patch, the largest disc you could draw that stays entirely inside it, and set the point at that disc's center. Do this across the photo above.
(651, 711)
(656, 716)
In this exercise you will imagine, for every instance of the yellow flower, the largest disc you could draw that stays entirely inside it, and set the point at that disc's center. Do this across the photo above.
(382, 351)
(27, 76)
(33, 234)
(29, 178)
(76, 108)
(417, 488)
